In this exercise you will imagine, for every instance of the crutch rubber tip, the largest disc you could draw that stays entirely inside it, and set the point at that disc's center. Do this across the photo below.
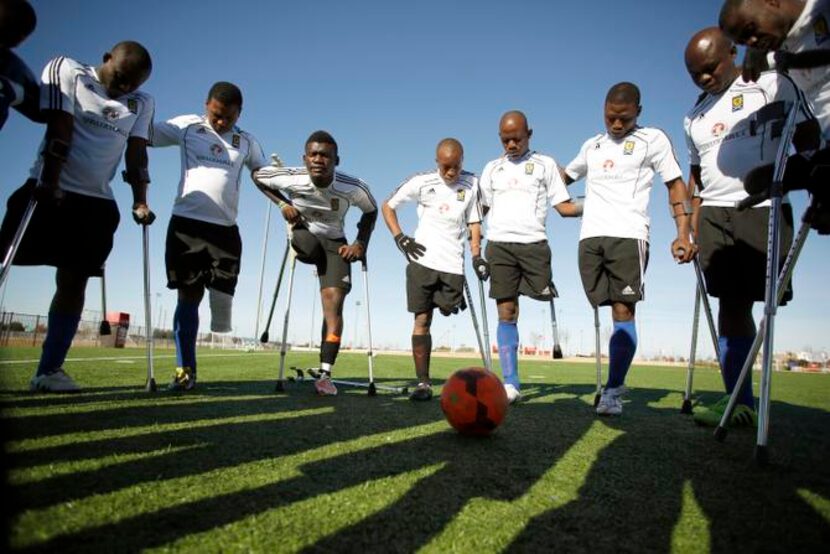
(372, 389)
(264, 337)
(151, 386)
(105, 328)
(280, 387)
(761, 455)
(687, 407)
(596, 400)
(557, 353)
(405, 390)
(720, 433)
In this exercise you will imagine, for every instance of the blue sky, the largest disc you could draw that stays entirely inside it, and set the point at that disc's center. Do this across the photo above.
(388, 80)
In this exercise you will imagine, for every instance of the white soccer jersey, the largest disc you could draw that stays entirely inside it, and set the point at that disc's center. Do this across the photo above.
(719, 139)
(102, 125)
(444, 211)
(211, 167)
(518, 192)
(811, 31)
(322, 209)
(618, 179)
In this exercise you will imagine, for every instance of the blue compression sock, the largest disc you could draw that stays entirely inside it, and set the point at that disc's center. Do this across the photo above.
(733, 353)
(59, 334)
(507, 335)
(185, 328)
(621, 349)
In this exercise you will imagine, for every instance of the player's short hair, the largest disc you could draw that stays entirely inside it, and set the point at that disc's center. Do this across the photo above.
(623, 93)
(227, 93)
(323, 137)
(449, 141)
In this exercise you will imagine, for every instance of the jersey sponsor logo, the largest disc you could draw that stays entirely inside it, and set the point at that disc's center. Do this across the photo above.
(132, 105)
(460, 195)
(628, 148)
(628, 291)
(443, 208)
(718, 129)
(216, 149)
(110, 113)
(235, 140)
(529, 167)
(335, 204)
(821, 30)
(737, 103)
(608, 165)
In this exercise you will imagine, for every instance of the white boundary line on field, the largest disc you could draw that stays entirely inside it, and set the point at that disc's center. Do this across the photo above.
(114, 358)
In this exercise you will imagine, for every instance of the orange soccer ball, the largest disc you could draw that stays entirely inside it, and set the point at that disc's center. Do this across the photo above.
(474, 401)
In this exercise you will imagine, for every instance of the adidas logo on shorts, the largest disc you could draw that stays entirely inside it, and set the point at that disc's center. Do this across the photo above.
(628, 291)
(346, 279)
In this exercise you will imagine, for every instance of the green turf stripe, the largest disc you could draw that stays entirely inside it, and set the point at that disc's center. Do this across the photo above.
(306, 522)
(817, 502)
(102, 509)
(691, 533)
(48, 471)
(491, 525)
(93, 436)
(139, 402)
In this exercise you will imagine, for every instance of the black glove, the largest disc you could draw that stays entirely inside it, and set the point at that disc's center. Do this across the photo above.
(481, 267)
(411, 249)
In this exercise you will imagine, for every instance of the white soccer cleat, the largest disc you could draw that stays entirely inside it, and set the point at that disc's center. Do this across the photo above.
(513, 394)
(610, 403)
(57, 381)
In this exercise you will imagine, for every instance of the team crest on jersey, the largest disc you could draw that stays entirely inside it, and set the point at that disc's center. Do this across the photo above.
(110, 113)
(821, 30)
(718, 129)
(529, 167)
(335, 204)
(132, 105)
(215, 149)
(460, 195)
(628, 148)
(235, 140)
(737, 103)
(608, 165)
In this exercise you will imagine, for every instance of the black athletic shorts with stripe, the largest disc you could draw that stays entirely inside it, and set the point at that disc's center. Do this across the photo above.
(332, 270)
(202, 253)
(519, 268)
(733, 250)
(613, 269)
(428, 288)
(76, 233)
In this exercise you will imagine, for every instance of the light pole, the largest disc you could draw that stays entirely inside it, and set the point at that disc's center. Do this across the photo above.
(356, 323)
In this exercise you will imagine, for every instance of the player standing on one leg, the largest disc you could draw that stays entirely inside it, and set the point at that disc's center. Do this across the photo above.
(447, 200)
(516, 191)
(732, 242)
(314, 200)
(18, 86)
(619, 167)
(92, 114)
(204, 248)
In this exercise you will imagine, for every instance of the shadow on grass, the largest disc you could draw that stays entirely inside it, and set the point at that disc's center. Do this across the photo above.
(631, 499)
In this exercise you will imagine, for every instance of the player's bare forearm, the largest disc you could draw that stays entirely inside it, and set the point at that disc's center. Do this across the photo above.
(390, 217)
(59, 130)
(568, 209)
(694, 185)
(137, 171)
(475, 239)
(682, 247)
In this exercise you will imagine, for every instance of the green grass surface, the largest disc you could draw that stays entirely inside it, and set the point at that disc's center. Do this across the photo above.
(234, 467)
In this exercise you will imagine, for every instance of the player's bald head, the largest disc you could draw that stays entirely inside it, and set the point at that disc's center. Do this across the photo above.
(623, 93)
(708, 42)
(514, 118)
(17, 21)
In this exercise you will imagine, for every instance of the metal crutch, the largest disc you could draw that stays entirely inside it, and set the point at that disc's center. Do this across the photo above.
(481, 347)
(148, 318)
(18, 238)
(687, 395)
(283, 348)
(557, 349)
(264, 337)
(598, 356)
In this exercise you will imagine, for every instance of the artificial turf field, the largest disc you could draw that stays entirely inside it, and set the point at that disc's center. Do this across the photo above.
(231, 466)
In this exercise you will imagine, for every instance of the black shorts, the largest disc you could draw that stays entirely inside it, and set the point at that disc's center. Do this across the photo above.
(613, 269)
(427, 289)
(332, 270)
(733, 250)
(75, 234)
(518, 268)
(201, 253)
